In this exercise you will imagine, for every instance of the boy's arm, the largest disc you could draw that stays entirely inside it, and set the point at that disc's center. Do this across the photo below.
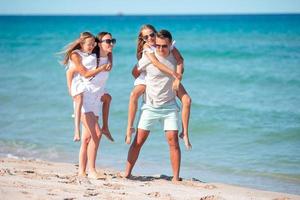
(84, 71)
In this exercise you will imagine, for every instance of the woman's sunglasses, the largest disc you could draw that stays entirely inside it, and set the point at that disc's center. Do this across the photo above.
(145, 37)
(109, 41)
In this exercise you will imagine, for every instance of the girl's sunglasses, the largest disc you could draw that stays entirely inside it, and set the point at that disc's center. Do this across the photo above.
(109, 41)
(145, 37)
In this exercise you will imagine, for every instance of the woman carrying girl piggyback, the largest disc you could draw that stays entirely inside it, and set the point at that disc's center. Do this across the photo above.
(86, 77)
(85, 56)
(146, 45)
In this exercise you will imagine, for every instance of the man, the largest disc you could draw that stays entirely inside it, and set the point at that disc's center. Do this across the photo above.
(159, 105)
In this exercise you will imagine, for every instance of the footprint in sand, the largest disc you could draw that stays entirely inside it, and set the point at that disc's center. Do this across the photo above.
(211, 197)
(153, 194)
(210, 187)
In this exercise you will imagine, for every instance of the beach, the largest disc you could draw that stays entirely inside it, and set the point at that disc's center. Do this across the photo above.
(37, 179)
(241, 71)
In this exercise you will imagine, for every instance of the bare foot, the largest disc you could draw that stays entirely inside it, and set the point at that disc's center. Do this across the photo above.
(106, 132)
(176, 179)
(186, 140)
(129, 132)
(76, 136)
(96, 175)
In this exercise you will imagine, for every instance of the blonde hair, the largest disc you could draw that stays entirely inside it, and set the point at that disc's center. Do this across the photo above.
(76, 45)
(141, 42)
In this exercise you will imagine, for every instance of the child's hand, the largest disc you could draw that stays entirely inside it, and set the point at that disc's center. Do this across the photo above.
(108, 67)
(176, 75)
(175, 85)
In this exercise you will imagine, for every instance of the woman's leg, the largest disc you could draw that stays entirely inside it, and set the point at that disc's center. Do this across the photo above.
(132, 108)
(90, 122)
(185, 115)
(86, 137)
(78, 104)
(106, 99)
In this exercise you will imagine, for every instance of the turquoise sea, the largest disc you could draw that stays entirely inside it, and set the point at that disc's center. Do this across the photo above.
(242, 72)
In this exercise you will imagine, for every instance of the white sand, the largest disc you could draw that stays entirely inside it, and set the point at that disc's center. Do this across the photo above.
(31, 179)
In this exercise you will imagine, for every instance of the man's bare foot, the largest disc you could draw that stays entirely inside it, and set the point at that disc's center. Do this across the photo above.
(186, 140)
(176, 179)
(76, 136)
(106, 132)
(82, 175)
(129, 132)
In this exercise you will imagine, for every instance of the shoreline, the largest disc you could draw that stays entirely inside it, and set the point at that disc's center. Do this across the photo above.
(38, 179)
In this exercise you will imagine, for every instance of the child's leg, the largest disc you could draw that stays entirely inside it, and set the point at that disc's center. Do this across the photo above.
(186, 106)
(132, 108)
(78, 104)
(106, 99)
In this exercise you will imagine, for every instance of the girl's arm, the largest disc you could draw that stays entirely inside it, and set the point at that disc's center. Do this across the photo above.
(179, 59)
(161, 66)
(69, 75)
(179, 68)
(84, 71)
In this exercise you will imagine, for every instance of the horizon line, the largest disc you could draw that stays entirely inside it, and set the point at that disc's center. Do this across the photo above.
(123, 14)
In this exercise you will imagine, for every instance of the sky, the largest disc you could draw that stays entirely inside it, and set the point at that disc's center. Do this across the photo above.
(146, 7)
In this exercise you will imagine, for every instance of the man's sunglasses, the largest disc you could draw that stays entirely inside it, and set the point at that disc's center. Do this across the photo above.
(145, 37)
(161, 46)
(109, 41)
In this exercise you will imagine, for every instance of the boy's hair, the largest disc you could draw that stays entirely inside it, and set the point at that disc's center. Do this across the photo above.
(164, 34)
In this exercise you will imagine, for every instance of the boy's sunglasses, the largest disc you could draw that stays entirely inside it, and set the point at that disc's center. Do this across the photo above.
(161, 46)
(145, 37)
(109, 41)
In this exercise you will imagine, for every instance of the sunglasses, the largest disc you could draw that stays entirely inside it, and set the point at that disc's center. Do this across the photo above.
(145, 37)
(161, 46)
(109, 41)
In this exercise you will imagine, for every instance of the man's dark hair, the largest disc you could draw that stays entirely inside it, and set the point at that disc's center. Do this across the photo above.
(164, 34)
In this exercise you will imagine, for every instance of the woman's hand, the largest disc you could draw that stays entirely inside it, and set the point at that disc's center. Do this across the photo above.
(175, 85)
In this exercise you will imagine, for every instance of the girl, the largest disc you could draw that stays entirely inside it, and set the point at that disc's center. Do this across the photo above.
(146, 44)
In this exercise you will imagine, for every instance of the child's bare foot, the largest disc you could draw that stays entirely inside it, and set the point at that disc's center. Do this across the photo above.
(106, 132)
(129, 132)
(186, 140)
(76, 136)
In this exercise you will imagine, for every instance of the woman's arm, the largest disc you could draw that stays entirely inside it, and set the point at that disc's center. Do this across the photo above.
(84, 71)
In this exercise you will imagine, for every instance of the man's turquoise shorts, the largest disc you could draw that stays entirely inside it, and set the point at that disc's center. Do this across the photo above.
(166, 115)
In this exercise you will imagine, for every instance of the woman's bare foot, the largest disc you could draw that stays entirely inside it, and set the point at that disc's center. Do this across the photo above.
(129, 132)
(96, 175)
(76, 136)
(186, 140)
(106, 132)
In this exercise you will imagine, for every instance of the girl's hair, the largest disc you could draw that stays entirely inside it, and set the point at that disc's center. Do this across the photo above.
(98, 39)
(141, 42)
(76, 45)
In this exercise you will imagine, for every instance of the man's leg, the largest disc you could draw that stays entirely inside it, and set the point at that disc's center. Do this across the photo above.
(134, 150)
(175, 154)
